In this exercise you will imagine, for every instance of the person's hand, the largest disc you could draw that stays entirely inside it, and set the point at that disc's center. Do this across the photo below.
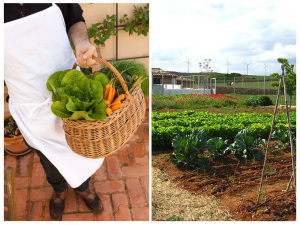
(85, 53)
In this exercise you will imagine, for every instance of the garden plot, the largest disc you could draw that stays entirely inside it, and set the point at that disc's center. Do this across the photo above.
(235, 184)
(223, 159)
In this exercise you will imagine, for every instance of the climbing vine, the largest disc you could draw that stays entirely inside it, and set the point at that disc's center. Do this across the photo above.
(102, 31)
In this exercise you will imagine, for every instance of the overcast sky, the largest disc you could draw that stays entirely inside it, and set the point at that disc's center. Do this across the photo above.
(255, 32)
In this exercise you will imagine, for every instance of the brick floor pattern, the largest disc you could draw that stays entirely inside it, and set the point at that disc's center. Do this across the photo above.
(122, 183)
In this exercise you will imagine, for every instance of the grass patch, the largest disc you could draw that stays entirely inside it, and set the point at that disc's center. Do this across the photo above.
(256, 84)
(193, 102)
(272, 97)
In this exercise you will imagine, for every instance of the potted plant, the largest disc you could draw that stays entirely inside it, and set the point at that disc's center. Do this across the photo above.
(13, 139)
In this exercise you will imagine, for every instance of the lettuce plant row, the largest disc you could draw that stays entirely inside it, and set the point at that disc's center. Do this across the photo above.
(165, 126)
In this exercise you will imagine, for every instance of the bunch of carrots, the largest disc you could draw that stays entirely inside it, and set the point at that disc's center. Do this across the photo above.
(111, 103)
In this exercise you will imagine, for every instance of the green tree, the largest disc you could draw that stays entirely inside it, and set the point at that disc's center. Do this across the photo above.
(290, 78)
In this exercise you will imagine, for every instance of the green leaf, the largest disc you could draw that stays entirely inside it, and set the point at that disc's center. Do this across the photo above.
(258, 154)
(80, 115)
(59, 109)
(102, 78)
(203, 162)
(99, 111)
(73, 77)
(71, 106)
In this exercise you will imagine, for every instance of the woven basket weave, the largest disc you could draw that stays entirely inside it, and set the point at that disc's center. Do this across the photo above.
(100, 138)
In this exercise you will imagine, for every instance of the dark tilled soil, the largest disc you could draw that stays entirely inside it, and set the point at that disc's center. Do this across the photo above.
(236, 185)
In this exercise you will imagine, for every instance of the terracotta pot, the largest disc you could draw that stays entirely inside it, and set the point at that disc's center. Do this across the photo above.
(16, 145)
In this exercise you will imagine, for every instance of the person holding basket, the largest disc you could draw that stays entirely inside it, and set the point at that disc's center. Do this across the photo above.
(37, 43)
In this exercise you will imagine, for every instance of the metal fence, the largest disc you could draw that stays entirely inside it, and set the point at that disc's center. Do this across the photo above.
(239, 82)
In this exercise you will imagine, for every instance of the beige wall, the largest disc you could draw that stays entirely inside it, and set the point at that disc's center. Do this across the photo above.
(129, 46)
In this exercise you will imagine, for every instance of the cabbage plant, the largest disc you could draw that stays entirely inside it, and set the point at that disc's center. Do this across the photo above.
(188, 149)
(243, 147)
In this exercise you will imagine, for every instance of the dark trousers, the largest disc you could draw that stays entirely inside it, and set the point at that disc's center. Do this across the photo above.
(54, 177)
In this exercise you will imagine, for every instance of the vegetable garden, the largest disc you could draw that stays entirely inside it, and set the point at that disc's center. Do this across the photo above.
(221, 154)
(165, 126)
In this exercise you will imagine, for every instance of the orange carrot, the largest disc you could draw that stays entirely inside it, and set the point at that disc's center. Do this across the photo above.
(108, 111)
(117, 106)
(107, 104)
(114, 93)
(116, 101)
(121, 97)
(110, 94)
(107, 87)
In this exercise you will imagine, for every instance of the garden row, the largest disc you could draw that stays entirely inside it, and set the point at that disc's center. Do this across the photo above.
(165, 126)
(189, 150)
(195, 101)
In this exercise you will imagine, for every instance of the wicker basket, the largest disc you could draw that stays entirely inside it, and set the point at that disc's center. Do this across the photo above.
(100, 138)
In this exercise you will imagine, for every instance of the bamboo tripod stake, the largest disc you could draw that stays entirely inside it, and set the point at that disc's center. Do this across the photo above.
(282, 79)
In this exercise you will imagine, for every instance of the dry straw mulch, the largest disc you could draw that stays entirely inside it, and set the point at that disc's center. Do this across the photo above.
(170, 202)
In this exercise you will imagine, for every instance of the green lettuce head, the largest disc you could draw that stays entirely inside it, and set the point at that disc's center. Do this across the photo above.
(75, 96)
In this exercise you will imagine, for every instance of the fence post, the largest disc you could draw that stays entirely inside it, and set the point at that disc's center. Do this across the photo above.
(215, 86)
(173, 81)
(181, 82)
(234, 85)
(204, 85)
(163, 85)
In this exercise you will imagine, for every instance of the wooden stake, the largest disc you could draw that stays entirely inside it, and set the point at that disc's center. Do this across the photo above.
(10, 191)
(290, 130)
(268, 144)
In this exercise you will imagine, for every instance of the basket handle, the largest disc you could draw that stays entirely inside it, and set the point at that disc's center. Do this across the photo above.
(116, 72)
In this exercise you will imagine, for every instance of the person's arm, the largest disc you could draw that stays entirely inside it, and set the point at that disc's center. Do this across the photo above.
(84, 50)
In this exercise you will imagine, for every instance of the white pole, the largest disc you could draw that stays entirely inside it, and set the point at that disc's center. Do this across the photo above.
(173, 81)
(193, 81)
(181, 82)
(215, 86)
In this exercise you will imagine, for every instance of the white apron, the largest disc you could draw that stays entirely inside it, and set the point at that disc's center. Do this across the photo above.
(35, 47)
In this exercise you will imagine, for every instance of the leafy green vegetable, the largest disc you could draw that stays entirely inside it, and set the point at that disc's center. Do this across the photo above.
(218, 147)
(76, 96)
(282, 135)
(102, 78)
(243, 147)
(188, 149)
(165, 126)
(131, 71)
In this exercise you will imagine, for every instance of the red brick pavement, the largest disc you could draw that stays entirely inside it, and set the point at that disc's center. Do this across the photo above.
(122, 183)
